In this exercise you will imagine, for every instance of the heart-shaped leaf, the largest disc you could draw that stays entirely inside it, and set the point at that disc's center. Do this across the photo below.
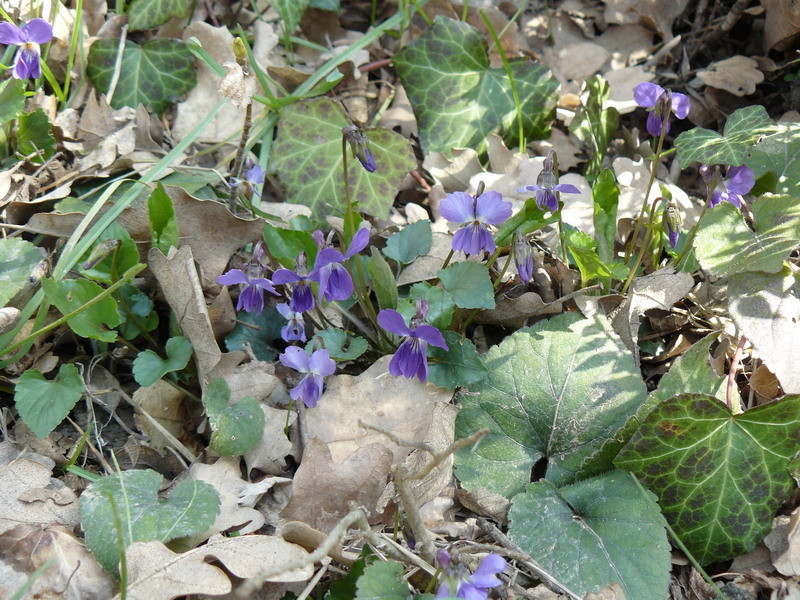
(191, 508)
(410, 242)
(440, 304)
(468, 284)
(742, 130)
(268, 324)
(43, 404)
(155, 74)
(595, 532)
(237, 427)
(779, 153)
(17, 259)
(307, 157)
(382, 580)
(459, 100)
(457, 367)
(149, 367)
(725, 245)
(555, 392)
(71, 294)
(35, 136)
(719, 477)
(337, 345)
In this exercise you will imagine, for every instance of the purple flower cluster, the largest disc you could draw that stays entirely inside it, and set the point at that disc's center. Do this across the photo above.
(28, 37)
(661, 104)
(737, 182)
(474, 214)
(411, 359)
(316, 367)
(253, 282)
(456, 582)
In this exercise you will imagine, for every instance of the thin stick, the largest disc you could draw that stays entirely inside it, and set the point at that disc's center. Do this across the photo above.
(734, 401)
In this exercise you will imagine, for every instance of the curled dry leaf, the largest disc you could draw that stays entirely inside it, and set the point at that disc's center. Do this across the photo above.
(163, 403)
(784, 544)
(323, 488)
(269, 455)
(73, 574)
(655, 14)
(738, 75)
(157, 573)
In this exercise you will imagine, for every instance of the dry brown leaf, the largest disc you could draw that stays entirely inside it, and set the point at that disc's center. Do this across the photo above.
(322, 488)
(453, 174)
(269, 455)
(73, 574)
(758, 558)
(234, 513)
(485, 503)
(157, 573)
(578, 61)
(738, 75)
(632, 178)
(612, 591)
(765, 384)
(782, 23)
(164, 404)
(400, 114)
(784, 544)
(29, 495)
(655, 14)
(403, 407)
(627, 45)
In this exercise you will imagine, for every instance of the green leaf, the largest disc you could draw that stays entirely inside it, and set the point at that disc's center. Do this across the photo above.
(593, 533)
(191, 508)
(719, 477)
(71, 294)
(528, 220)
(725, 245)
(125, 256)
(163, 224)
(440, 304)
(742, 130)
(383, 281)
(268, 329)
(382, 580)
(765, 308)
(142, 307)
(290, 11)
(594, 125)
(155, 74)
(344, 587)
(459, 100)
(468, 284)
(43, 404)
(330, 5)
(17, 259)
(35, 136)
(555, 392)
(605, 198)
(147, 14)
(12, 99)
(285, 244)
(148, 367)
(458, 366)
(237, 428)
(691, 373)
(410, 242)
(307, 156)
(779, 153)
(335, 343)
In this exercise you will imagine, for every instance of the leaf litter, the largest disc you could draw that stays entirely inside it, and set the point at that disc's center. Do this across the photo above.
(569, 402)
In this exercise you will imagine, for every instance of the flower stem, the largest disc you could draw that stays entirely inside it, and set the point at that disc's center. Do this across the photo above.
(693, 232)
(643, 249)
(236, 172)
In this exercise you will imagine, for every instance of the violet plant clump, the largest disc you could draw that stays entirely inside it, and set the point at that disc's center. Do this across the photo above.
(315, 367)
(457, 582)
(29, 37)
(737, 182)
(411, 359)
(661, 104)
(475, 214)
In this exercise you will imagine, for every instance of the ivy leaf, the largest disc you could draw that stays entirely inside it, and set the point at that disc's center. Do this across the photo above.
(410, 242)
(43, 404)
(71, 294)
(307, 157)
(35, 136)
(458, 366)
(191, 508)
(155, 74)
(290, 11)
(18, 257)
(448, 66)
(719, 477)
(237, 428)
(595, 532)
(726, 246)
(147, 14)
(742, 130)
(382, 580)
(336, 342)
(556, 392)
(469, 285)
(779, 153)
(149, 367)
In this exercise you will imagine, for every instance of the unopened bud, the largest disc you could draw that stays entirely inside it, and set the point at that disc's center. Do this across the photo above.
(359, 143)
(99, 253)
(672, 222)
(240, 52)
(523, 257)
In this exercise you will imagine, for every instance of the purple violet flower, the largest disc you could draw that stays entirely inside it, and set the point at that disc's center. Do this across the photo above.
(546, 188)
(316, 367)
(26, 62)
(335, 282)
(359, 142)
(411, 359)
(523, 257)
(295, 329)
(456, 582)
(474, 214)
(302, 297)
(660, 104)
(254, 284)
(737, 182)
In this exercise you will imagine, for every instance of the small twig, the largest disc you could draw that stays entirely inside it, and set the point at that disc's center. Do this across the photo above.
(117, 63)
(420, 181)
(734, 402)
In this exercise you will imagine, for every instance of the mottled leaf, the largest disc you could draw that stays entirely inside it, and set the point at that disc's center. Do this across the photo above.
(779, 153)
(35, 136)
(146, 14)
(43, 403)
